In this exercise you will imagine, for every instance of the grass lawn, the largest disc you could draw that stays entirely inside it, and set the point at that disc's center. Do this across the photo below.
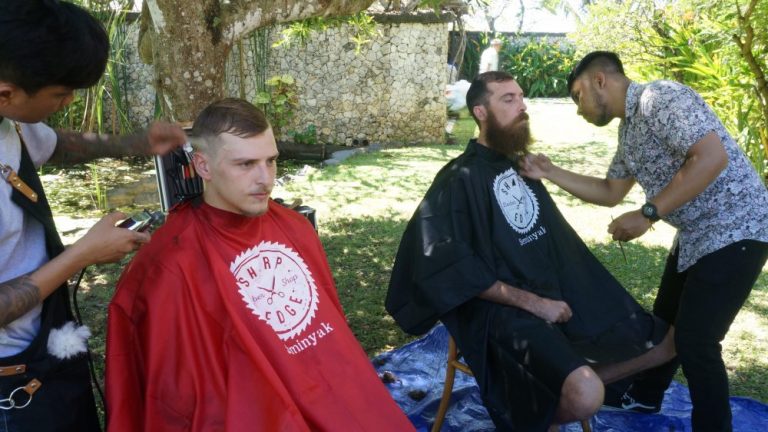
(363, 206)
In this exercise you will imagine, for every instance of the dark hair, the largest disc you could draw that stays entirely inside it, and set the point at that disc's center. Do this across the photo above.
(606, 61)
(47, 42)
(478, 92)
(231, 115)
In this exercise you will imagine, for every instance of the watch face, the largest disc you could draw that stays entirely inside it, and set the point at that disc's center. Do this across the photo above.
(647, 211)
(277, 286)
(517, 201)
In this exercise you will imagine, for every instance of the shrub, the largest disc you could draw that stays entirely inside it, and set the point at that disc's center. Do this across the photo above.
(279, 102)
(540, 66)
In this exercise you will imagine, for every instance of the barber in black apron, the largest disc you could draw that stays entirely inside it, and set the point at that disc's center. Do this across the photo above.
(39, 391)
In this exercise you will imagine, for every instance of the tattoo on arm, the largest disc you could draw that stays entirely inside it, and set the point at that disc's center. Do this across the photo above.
(74, 147)
(17, 297)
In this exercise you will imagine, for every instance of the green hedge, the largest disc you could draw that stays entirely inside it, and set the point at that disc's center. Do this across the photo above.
(540, 66)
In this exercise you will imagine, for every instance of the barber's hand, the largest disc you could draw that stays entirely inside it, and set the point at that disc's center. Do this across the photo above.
(105, 243)
(628, 226)
(553, 311)
(535, 166)
(164, 137)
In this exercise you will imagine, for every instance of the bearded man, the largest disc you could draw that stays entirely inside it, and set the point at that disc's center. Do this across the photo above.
(541, 323)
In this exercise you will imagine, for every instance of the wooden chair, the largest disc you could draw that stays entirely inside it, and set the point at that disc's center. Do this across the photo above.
(450, 374)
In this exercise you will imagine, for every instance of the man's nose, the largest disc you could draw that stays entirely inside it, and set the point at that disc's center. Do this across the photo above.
(263, 175)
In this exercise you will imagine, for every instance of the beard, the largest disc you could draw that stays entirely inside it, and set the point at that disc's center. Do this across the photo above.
(602, 110)
(603, 119)
(511, 140)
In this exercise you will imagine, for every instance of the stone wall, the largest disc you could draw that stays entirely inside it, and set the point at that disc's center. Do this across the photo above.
(391, 92)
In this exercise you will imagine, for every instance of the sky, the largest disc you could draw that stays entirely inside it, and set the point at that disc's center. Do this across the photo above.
(536, 19)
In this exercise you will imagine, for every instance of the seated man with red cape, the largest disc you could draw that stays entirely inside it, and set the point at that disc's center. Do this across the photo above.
(228, 320)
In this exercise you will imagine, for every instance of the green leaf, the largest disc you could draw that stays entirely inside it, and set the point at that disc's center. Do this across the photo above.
(262, 98)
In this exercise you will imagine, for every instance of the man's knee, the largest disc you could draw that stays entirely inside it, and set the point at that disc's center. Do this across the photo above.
(582, 394)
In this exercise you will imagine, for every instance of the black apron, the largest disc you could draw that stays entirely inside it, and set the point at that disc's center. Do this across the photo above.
(64, 401)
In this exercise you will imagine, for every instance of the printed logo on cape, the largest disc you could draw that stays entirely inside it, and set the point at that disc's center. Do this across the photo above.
(517, 201)
(277, 286)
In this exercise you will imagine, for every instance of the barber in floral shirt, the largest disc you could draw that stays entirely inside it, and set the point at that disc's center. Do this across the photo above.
(697, 179)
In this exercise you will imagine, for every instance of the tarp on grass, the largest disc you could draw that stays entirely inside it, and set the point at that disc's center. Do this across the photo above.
(418, 370)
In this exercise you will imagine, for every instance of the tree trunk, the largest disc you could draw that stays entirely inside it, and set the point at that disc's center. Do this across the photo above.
(191, 40)
(746, 47)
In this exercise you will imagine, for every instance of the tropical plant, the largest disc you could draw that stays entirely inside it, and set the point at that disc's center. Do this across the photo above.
(697, 58)
(540, 66)
(279, 101)
(99, 195)
(363, 29)
(106, 101)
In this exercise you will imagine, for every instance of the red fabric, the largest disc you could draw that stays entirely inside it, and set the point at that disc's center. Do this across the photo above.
(212, 328)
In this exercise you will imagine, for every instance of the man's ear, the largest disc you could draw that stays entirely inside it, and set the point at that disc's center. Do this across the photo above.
(598, 80)
(480, 112)
(202, 165)
(7, 92)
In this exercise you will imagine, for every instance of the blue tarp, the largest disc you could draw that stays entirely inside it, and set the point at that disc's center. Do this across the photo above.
(418, 370)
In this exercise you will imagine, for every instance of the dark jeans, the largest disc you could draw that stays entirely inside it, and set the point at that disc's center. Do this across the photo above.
(702, 302)
(7, 423)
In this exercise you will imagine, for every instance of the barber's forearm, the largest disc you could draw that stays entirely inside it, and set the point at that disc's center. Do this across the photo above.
(19, 295)
(74, 147)
(705, 161)
(595, 190)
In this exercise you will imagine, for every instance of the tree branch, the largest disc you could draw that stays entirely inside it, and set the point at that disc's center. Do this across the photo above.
(240, 18)
(746, 46)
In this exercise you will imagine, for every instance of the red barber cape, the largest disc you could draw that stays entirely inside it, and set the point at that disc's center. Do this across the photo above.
(229, 323)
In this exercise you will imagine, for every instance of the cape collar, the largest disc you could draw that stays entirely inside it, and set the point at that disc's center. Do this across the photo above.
(219, 218)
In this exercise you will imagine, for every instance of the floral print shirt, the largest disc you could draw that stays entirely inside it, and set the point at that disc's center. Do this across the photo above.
(663, 120)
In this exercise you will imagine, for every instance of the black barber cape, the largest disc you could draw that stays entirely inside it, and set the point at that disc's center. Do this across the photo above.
(479, 222)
